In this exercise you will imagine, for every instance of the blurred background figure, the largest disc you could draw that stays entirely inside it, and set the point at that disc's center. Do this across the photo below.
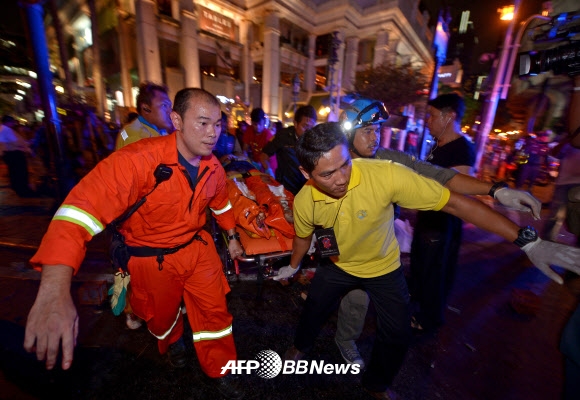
(533, 156)
(14, 150)
(568, 177)
(255, 138)
(227, 146)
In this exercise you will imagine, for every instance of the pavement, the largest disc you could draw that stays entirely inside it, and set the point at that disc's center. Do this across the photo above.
(489, 348)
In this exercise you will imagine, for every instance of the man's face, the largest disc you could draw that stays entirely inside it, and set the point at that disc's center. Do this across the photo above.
(160, 111)
(332, 173)
(304, 124)
(198, 130)
(366, 140)
(259, 126)
(437, 120)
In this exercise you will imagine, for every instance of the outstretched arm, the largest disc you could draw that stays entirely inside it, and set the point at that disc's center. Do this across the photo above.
(517, 199)
(464, 184)
(541, 253)
(53, 321)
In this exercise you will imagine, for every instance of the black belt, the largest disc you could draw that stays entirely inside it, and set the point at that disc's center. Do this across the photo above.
(144, 251)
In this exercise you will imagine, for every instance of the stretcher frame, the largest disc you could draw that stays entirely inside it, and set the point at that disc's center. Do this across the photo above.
(262, 261)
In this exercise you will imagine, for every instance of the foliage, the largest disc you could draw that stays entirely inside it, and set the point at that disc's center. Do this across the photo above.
(393, 84)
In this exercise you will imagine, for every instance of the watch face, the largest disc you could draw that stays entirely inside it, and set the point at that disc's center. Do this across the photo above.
(529, 234)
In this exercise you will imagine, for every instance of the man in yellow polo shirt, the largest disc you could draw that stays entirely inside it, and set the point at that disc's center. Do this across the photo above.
(154, 109)
(349, 205)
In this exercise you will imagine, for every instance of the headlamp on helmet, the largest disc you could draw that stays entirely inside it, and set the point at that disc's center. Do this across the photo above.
(363, 112)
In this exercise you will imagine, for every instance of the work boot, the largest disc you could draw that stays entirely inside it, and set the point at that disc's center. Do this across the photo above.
(350, 353)
(293, 354)
(229, 386)
(176, 354)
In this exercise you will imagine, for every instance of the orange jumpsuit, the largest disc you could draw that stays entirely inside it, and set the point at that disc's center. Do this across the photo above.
(170, 216)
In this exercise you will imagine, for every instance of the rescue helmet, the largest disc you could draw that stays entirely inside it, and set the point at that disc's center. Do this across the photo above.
(360, 113)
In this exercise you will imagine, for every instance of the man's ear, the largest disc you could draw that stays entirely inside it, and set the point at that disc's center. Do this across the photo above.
(176, 119)
(306, 174)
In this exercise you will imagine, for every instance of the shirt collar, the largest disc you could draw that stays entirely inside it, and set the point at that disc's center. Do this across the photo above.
(162, 132)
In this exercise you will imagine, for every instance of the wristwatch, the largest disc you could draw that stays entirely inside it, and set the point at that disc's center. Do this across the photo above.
(526, 235)
(235, 236)
(496, 186)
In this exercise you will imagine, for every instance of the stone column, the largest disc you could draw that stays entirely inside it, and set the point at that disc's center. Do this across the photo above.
(124, 55)
(247, 65)
(271, 67)
(310, 72)
(188, 52)
(381, 48)
(148, 57)
(350, 62)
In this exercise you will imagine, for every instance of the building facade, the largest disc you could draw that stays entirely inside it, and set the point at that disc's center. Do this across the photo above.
(247, 51)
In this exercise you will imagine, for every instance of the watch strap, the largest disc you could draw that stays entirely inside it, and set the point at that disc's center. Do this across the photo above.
(235, 236)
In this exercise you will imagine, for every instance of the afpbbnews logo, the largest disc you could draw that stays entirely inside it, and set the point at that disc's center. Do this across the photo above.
(268, 364)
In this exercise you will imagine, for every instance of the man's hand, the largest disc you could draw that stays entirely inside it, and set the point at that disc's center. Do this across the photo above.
(53, 321)
(235, 248)
(543, 254)
(519, 200)
(285, 273)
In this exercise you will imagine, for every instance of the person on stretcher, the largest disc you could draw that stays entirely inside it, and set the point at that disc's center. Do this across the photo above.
(261, 204)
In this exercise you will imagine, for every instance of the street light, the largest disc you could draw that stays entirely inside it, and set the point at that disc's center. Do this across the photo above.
(295, 90)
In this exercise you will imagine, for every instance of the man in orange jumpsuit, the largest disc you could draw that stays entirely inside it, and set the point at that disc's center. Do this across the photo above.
(172, 216)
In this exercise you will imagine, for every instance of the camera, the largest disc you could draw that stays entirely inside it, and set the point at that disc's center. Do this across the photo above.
(558, 43)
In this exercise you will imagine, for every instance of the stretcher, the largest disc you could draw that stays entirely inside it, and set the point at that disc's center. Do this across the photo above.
(264, 221)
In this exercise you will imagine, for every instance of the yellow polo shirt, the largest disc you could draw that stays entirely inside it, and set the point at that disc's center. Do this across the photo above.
(363, 217)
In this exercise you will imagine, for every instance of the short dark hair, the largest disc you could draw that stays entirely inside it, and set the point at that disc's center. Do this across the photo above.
(147, 93)
(449, 102)
(257, 115)
(183, 97)
(317, 141)
(224, 117)
(305, 111)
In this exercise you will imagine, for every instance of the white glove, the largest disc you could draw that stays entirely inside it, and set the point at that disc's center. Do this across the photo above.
(118, 292)
(285, 273)
(519, 200)
(543, 253)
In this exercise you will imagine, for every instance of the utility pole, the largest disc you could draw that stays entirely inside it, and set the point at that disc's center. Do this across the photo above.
(498, 80)
(440, 40)
(34, 16)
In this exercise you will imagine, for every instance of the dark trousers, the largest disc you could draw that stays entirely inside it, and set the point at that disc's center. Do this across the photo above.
(570, 347)
(390, 297)
(18, 172)
(434, 257)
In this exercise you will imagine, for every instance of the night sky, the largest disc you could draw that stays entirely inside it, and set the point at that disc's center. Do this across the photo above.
(485, 17)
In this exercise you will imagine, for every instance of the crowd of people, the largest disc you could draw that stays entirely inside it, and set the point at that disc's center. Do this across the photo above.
(167, 173)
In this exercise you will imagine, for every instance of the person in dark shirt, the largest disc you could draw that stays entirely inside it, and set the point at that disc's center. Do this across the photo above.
(437, 235)
(283, 145)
